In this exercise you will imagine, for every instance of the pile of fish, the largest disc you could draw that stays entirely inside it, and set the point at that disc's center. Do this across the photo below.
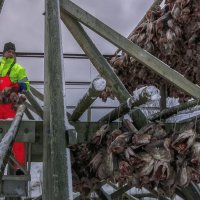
(7, 95)
(150, 158)
(172, 34)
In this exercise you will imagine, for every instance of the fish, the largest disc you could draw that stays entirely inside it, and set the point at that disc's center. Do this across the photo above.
(159, 150)
(85, 186)
(96, 161)
(147, 166)
(195, 153)
(126, 123)
(129, 152)
(183, 141)
(102, 172)
(159, 132)
(139, 140)
(22, 99)
(14, 98)
(161, 171)
(124, 168)
(119, 144)
(194, 173)
(115, 133)
(183, 178)
(99, 135)
(161, 154)
(141, 160)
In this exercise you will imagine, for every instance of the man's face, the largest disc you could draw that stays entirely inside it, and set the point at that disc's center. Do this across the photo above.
(9, 54)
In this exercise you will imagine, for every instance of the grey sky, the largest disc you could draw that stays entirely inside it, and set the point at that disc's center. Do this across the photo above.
(22, 22)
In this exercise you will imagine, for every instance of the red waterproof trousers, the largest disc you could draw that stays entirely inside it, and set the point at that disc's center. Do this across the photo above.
(6, 112)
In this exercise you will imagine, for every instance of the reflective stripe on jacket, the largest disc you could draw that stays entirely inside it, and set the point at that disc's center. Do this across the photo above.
(17, 73)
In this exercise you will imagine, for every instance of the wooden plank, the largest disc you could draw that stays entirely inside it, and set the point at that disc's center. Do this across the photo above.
(38, 94)
(61, 187)
(30, 107)
(132, 49)
(89, 97)
(28, 114)
(13, 159)
(26, 130)
(138, 120)
(173, 110)
(34, 103)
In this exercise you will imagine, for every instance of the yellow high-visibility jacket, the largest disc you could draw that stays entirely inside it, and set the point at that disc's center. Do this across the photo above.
(17, 73)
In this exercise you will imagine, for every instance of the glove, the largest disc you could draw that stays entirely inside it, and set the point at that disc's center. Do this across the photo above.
(22, 87)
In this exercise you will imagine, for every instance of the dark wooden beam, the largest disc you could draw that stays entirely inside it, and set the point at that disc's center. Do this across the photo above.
(102, 66)
(90, 96)
(138, 120)
(61, 183)
(30, 107)
(125, 108)
(38, 94)
(34, 103)
(29, 115)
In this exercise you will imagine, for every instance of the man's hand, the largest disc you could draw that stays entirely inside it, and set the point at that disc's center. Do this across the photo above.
(22, 87)
(19, 87)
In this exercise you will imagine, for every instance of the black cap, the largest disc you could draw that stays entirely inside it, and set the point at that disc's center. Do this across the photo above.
(8, 46)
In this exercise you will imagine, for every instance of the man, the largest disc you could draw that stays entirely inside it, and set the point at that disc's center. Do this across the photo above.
(12, 76)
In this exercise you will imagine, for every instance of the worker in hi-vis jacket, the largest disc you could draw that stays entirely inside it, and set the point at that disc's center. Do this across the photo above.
(13, 79)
